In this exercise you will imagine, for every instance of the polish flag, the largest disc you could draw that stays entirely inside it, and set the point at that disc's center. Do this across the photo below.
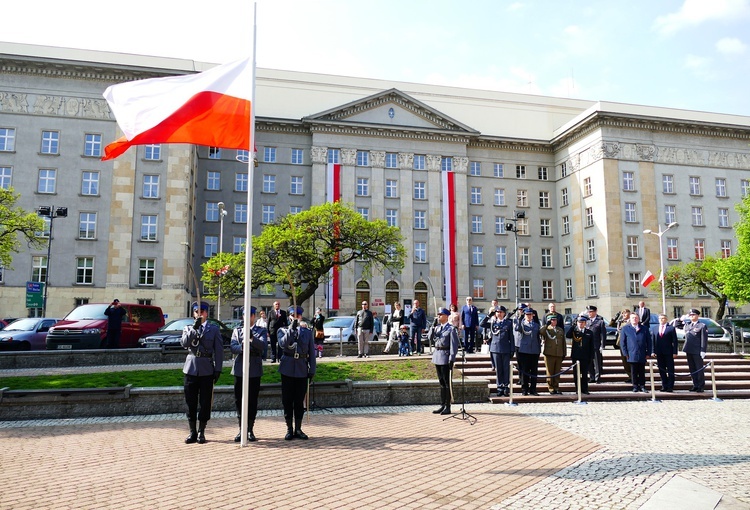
(647, 279)
(449, 236)
(333, 194)
(211, 108)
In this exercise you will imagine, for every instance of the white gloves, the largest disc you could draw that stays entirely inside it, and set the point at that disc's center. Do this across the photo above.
(703, 355)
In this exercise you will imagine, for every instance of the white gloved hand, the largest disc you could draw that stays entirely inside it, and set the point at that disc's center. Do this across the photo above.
(703, 355)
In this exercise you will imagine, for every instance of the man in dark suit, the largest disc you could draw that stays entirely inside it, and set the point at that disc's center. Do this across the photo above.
(581, 350)
(665, 349)
(599, 331)
(470, 324)
(277, 319)
(644, 314)
(696, 344)
(417, 324)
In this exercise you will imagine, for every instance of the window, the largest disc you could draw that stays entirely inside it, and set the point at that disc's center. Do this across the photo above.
(499, 196)
(477, 285)
(563, 169)
(726, 249)
(92, 145)
(475, 168)
(238, 244)
(89, 183)
(214, 153)
(334, 156)
(543, 176)
(295, 185)
(564, 196)
(628, 181)
(419, 162)
(501, 256)
(420, 192)
(87, 225)
(546, 257)
(589, 216)
(7, 139)
(446, 164)
(269, 154)
(591, 250)
(498, 170)
(50, 142)
(210, 246)
(723, 217)
(240, 213)
(477, 255)
(152, 152)
(566, 225)
(212, 211)
(46, 229)
(363, 158)
(566, 256)
(522, 198)
(148, 227)
(700, 249)
(476, 224)
(420, 252)
(269, 183)
(6, 177)
(544, 199)
(670, 214)
(633, 247)
(667, 184)
(213, 181)
(634, 283)
(294, 209)
(499, 225)
(630, 215)
(545, 229)
(363, 187)
(39, 269)
(520, 171)
(744, 185)
(522, 224)
(47, 180)
(243, 156)
(721, 188)
(420, 222)
(240, 181)
(84, 270)
(391, 188)
(523, 257)
(568, 288)
(695, 185)
(391, 217)
(548, 290)
(267, 290)
(673, 252)
(146, 271)
(297, 156)
(587, 187)
(524, 290)
(476, 195)
(593, 291)
(697, 216)
(502, 289)
(391, 160)
(268, 215)
(364, 212)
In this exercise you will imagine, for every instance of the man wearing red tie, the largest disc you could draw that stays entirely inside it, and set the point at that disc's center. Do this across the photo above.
(665, 349)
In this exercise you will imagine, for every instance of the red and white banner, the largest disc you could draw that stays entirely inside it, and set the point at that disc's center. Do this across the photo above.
(647, 279)
(333, 194)
(449, 236)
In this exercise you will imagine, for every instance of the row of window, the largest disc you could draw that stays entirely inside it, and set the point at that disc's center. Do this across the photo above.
(85, 270)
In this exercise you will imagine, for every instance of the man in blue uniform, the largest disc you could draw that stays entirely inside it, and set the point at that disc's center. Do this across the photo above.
(202, 369)
(501, 347)
(443, 357)
(582, 351)
(297, 366)
(258, 343)
(696, 345)
(529, 347)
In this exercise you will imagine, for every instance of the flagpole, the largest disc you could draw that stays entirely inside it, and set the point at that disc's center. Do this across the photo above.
(246, 330)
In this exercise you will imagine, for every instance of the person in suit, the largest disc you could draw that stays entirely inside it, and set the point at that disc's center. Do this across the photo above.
(469, 324)
(443, 357)
(552, 310)
(115, 314)
(258, 341)
(582, 351)
(502, 347)
(417, 324)
(599, 330)
(277, 319)
(202, 370)
(644, 314)
(297, 368)
(635, 343)
(622, 320)
(664, 341)
(696, 345)
(529, 347)
(555, 350)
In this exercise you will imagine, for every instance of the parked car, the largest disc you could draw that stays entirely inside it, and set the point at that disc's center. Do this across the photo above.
(26, 334)
(233, 323)
(336, 328)
(715, 331)
(740, 324)
(569, 321)
(3, 324)
(86, 326)
(170, 334)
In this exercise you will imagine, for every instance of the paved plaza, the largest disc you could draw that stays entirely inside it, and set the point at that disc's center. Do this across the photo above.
(676, 454)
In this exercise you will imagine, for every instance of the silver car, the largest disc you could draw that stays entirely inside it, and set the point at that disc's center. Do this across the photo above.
(336, 328)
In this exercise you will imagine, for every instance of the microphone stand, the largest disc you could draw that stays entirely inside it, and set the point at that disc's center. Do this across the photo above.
(462, 415)
(313, 406)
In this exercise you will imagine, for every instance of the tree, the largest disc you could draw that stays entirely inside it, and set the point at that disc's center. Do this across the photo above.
(14, 223)
(734, 271)
(227, 269)
(699, 276)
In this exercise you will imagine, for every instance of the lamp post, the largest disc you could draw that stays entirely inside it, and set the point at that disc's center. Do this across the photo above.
(222, 213)
(513, 227)
(51, 212)
(659, 234)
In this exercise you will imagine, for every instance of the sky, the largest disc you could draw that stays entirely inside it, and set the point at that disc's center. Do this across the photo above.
(688, 54)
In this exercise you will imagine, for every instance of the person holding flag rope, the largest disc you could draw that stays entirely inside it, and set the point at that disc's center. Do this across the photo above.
(258, 342)
(296, 366)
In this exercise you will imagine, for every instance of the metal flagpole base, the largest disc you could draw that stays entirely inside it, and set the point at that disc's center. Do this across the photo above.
(511, 404)
(655, 401)
(580, 403)
(716, 399)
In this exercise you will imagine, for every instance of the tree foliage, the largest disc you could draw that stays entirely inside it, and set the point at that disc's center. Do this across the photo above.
(699, 277)
(227, 270)
(734, 271)
(17, 224)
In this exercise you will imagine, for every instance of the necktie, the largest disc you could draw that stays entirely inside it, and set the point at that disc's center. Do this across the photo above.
(661, 331)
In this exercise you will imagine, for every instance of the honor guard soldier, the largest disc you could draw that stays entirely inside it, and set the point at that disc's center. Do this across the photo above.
(502, 346)
(528, 347)
(581, 350)
(599, 331)
(297, 367)
(554, 352)
(444, 356)
(258, 343)
(695, 347)
(202, 369)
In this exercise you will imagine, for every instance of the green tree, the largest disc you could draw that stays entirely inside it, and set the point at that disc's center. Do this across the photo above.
(17, 224)
(699, 276)
(734, 271)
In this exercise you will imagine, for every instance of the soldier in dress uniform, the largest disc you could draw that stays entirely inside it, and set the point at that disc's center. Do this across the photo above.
(258, 343)
(297, 366)
(696, 344)
(599, 331)
(443, 357)
(581, 350)
(529, 347)
(502, 346)
(554, 352)
(202, 369)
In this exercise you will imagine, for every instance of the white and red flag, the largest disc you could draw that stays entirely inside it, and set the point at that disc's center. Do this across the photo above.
(647, 279)
(449, 236)
(333, 194)
(211, 108)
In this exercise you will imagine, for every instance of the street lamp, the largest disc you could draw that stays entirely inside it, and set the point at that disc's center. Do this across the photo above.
(51, 212)
(661, 262)
(513, 227)
(222, 213)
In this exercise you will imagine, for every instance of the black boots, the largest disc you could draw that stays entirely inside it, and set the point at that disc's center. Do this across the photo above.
(238, 437)
(250, 436)
(289, 431)
(193, 437)
(445, 402)
(298, 429)
(201, 432)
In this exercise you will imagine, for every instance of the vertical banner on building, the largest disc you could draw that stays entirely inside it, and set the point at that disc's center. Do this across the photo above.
(449, 236)
(333, 194)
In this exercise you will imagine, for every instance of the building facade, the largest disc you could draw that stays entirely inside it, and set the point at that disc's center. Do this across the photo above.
(578, 182)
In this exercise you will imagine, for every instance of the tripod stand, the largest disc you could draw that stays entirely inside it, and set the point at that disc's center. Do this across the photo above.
(462, 415)
(313, 405)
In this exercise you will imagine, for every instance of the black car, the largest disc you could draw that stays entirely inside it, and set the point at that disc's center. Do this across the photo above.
(169, 335)
(741, 325)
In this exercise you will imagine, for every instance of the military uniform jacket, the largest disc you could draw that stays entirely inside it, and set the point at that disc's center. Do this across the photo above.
(696, 338)
(207, 356)
(666, 343)
(582, 347)
(501, 336)
(598, 330)
(258, 342)
(527, 337)
(554, 341)
(297, 352)
(446, 344)
(635, 345)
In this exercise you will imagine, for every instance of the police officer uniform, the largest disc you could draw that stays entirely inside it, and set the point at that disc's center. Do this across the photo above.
(258, 342)
(696, 345)
(443, 357)
(581, 350)
(599, 332)
(296, 366)
(202, 369)
(502, 346)
(529, 347)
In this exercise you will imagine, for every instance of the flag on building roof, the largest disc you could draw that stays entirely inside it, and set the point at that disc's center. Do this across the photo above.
(211, 108)
(647, 279)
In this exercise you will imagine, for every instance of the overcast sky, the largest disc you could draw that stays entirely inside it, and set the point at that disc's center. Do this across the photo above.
(690, 54)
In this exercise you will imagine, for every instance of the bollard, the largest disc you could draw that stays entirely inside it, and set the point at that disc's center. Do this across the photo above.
(510, 395)
(578, 384)
(713, 383)
(653, 387)
(341, 342)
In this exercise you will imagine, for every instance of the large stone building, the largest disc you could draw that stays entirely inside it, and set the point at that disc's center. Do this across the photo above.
(579, 180)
